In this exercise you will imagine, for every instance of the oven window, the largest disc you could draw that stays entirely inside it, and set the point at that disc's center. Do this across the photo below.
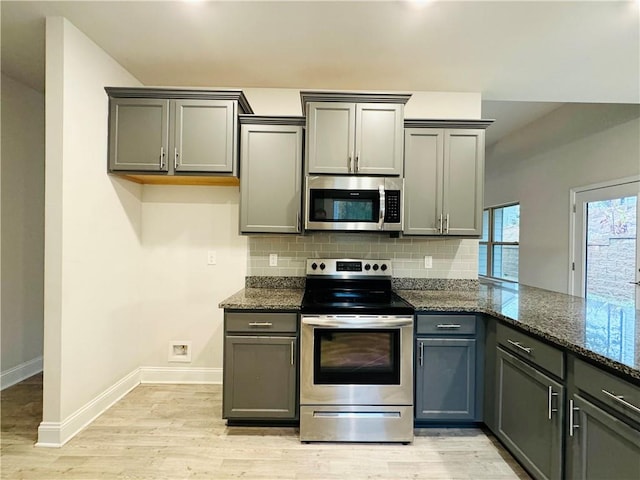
(344, 206)
(344, 356)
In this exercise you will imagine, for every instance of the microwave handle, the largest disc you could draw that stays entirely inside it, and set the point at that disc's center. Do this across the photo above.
(382, 207)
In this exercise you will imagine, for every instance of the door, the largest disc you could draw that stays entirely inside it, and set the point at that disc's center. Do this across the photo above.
(270, 188)
(446, 379)
(529, 415)
(331, 137)
(260, 377)
(605, 244)
(138, 134)
(423, 180)
(204, 133)
(379, 139)
(602, 446)
(606, 261)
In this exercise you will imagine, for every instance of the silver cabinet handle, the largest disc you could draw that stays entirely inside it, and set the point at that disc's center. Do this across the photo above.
(520, 346)
(161, 158)
(446, 224)
(440, 224)
(293, 353)
(572, 424)
(357, 169)
(620, 399)
(349, 158)
(260, 324)
(382, 206)
(635, 283)
(299, 221)
(550, 402)
(448, 325)
(175, 158)
(421, 352)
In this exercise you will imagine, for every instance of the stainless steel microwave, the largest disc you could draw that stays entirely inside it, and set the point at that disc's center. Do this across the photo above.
(353, 203)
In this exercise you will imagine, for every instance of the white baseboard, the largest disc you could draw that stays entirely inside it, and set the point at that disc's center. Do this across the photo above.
(20, 372)
(180, 375)
(56, 434)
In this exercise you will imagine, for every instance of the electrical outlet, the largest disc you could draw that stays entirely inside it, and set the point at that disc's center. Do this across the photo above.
(273, 259)
(180, 351)
(428, 261)
(211, 257)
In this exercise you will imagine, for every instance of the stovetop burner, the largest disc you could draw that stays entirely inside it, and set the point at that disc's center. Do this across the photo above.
(348, 286)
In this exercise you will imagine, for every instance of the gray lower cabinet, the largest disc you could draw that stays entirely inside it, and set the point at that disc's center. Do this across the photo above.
(602, 446)
(446, 386)
(174, 132)
(529, 415)
(444, 178)
(270, 174)
(603, 428)
(260, 366)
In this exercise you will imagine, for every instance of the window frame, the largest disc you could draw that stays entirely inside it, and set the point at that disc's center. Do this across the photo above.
(490, 244)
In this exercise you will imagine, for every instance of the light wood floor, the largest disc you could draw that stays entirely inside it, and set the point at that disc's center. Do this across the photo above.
(175, 432)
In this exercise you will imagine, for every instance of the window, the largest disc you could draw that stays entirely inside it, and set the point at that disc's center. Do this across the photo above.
(499, 245)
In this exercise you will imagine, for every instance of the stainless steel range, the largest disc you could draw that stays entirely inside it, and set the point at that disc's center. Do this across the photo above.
(356, 372)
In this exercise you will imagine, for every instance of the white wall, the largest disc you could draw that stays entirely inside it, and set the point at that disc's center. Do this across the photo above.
(22, 230)
(573, 146)
(181, 291)
(92, 241)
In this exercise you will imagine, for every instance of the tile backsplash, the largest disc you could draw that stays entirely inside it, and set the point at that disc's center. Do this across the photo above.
(452, 258)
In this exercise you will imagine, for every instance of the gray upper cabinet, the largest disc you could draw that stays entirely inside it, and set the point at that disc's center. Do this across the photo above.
(444, 177)
(356, 134)
(204, 136)
(139, 134)
(271, 174)
(174, 132)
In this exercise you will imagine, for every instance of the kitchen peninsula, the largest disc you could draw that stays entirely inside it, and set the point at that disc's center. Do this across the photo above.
(559, 376)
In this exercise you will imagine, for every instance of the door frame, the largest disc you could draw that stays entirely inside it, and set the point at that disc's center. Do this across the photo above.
(575, 283)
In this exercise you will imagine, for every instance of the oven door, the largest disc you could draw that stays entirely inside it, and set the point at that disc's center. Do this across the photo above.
(356, 360)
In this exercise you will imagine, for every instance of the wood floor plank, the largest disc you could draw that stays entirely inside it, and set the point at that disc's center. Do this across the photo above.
(176, 432)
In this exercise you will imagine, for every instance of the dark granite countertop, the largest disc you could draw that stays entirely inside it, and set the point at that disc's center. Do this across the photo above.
(603, 332)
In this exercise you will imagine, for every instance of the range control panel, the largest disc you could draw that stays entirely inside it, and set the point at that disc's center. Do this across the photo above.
(347, 267)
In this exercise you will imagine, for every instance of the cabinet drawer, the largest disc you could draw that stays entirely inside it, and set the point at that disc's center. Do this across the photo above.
(541, 354)
(261, 322)
(612, 391)
(446, 324)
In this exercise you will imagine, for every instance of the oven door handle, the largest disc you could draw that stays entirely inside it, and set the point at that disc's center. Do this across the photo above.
(359, 321)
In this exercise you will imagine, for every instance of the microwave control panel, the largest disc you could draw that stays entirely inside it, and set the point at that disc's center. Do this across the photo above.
(392, 206)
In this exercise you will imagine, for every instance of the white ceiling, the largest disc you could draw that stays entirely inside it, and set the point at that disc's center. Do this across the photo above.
(510, 51)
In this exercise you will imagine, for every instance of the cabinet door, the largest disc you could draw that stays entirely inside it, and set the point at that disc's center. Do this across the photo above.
(259, 377)
(271, 177)
(138, 134)
(423, 180)
(463, 181)
(331, 142)
(529, 415)
(379, 139)
(446, 379)
(204, 136)
(602, 446)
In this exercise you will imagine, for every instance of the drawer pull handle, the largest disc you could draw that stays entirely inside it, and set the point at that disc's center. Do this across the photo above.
(550, 401)
(447, 325)
(520, 346)
(260, 324)
(620, 399)
(572, 424)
